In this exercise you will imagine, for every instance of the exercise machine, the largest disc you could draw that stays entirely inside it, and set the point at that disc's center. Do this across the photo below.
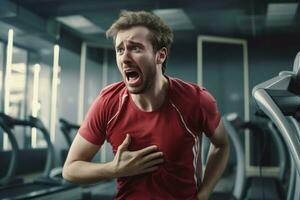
(44, 187)
(279, 99)
(10, 177)
(240, 176)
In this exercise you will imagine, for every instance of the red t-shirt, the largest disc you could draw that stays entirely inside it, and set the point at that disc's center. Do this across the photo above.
(176, 128)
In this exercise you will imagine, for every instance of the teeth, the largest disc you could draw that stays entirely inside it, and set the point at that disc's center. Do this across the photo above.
(127, 73)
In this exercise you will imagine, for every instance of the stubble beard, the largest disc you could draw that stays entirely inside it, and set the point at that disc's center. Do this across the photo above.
(146, 85)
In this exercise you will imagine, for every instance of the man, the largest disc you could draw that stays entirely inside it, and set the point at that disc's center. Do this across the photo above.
(154, 123)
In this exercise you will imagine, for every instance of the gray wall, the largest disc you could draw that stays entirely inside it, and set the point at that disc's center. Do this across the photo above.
(67, 97)
(182, 62)
(267, 57)
(93, 82)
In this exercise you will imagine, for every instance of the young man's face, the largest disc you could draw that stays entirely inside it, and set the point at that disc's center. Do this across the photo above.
(136, 59)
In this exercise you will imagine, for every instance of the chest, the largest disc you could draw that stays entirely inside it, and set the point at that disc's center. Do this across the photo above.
(164, 129)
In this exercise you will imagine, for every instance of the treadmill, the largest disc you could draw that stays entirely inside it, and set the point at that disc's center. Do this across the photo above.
(237, 192)
(44, 187)
(279, 99)
(284, 158)
(66, 128)
(259, 187)
(10, 177)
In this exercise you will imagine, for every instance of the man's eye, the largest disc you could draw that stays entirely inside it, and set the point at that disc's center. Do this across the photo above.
(119, 50)
(135, 48)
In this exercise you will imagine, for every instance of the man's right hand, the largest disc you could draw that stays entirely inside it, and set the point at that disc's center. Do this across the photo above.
(129, 163)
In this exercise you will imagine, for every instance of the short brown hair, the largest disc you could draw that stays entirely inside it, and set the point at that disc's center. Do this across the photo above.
(162, 35)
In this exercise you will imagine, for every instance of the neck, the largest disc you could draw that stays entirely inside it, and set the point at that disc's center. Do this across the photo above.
(154, 97)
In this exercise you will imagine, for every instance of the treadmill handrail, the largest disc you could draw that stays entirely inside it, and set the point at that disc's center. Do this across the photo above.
(284, 80)
(12, 167)
(240, 178)
(296, 67)
(266, 103)
(66, 128)
(69, 124)
(281, 149)
(33, 122)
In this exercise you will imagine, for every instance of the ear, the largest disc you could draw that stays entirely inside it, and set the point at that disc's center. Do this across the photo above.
(161, 55)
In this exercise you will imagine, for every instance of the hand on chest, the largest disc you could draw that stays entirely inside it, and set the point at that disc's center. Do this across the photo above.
(165, 131)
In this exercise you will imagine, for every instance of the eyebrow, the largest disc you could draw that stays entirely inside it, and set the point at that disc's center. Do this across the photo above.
(131, 43)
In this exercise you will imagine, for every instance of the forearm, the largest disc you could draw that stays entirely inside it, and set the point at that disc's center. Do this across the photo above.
(87, 172)
(215, 166)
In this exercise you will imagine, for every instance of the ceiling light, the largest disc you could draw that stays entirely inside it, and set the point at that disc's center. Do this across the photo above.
(177, 19)
(281, 14)
(80, 23)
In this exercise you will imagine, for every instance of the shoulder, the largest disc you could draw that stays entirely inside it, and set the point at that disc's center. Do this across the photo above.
(189, 90)
(112, 90)
(101, 111)
(196, 104)
(186, 94)
(110, 96)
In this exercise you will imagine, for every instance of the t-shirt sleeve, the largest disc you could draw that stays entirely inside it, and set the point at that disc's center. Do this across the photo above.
(93, 128)
(209, 112)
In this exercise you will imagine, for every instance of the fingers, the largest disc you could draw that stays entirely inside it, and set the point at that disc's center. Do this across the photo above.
(153, 163)
(152, 156)
(149, 167)
(147, 150)
(136, 162)
(125, 143)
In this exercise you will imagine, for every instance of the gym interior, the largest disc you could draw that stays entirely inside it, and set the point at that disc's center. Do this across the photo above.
(55, 59)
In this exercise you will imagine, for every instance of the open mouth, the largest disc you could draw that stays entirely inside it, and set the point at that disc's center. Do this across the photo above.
(131, 75)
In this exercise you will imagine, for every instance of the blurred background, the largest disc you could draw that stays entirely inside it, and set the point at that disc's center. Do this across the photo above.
(55, 59)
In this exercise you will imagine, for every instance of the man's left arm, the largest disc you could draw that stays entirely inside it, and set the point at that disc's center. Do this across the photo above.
(216, 162)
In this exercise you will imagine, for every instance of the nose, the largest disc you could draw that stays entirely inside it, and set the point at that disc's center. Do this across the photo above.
(126, 57)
